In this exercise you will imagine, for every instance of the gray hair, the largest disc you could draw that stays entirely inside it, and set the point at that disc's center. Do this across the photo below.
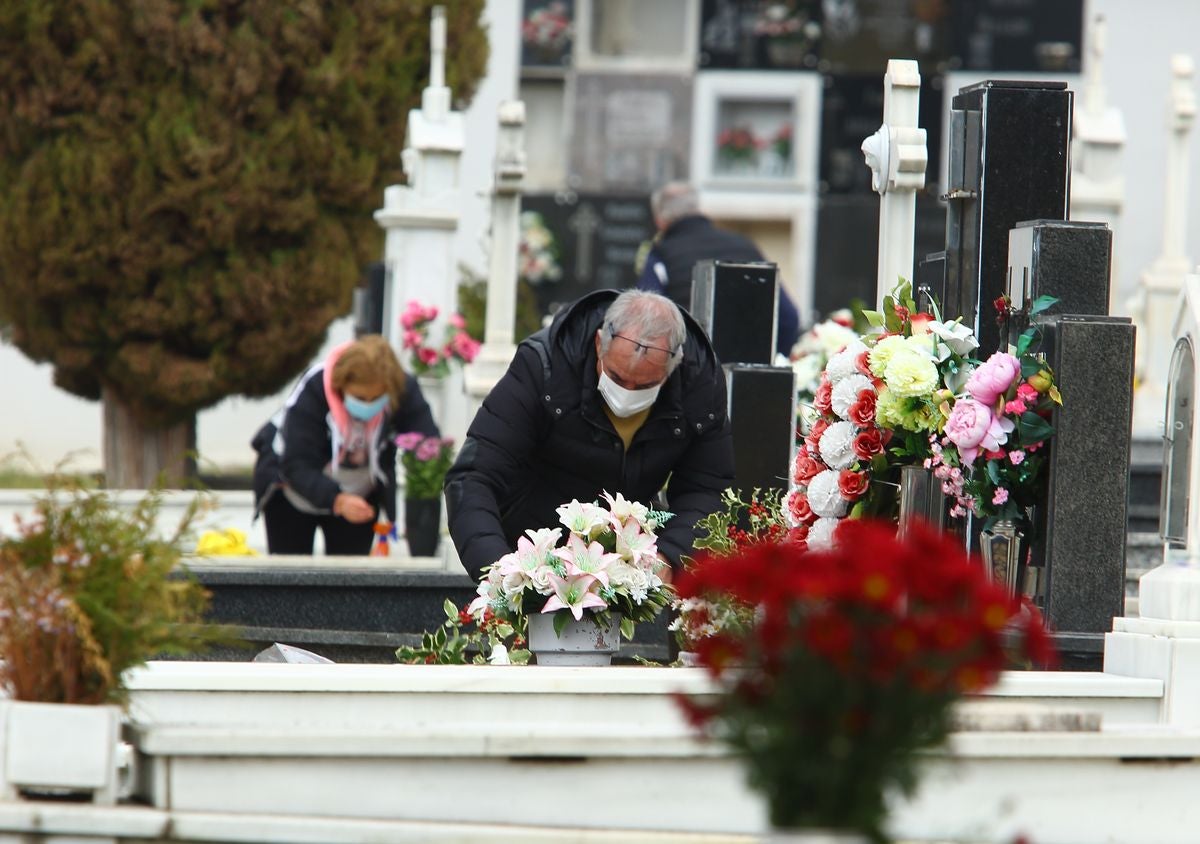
(674, 200)
(644, 317)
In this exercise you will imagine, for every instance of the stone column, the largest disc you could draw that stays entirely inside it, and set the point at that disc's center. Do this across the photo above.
(897, 157)
(1161, 284)
(498, 347)
(1097, 145)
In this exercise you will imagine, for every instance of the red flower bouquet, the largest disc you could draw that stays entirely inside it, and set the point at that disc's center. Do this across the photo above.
(851, 664)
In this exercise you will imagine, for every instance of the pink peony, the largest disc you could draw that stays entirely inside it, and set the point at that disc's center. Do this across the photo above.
(993, 377)
(969, 426)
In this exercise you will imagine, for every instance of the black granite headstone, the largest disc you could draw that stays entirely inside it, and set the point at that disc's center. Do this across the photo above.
(1082, 524)
(1008, 162)
(737, 305)
(1064, 259)
(762, 414)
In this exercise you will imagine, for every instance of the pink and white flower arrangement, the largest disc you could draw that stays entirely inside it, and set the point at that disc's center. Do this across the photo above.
(607, 562)
(990, 454)
(430, 358)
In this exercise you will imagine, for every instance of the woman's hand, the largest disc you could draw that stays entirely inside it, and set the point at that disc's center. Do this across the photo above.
(353, 508)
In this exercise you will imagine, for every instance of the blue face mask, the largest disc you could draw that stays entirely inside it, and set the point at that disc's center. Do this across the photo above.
(364, 411)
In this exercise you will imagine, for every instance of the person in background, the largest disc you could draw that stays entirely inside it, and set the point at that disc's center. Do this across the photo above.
(619, 394)
(327, 459)
(686, 237)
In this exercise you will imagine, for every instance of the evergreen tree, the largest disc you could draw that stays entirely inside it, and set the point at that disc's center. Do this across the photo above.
(186, 186)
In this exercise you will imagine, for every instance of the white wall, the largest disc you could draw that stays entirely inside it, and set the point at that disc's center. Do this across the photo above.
(50, 422)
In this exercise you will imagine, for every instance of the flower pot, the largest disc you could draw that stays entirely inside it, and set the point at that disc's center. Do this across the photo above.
(1005, 553)
(921, 499)
(580, 643)
(59, 749)
(422, 523)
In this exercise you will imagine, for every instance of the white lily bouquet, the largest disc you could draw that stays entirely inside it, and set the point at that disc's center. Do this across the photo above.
(608, 563)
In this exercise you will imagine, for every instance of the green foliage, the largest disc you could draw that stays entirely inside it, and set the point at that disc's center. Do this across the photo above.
(88, 590)
(461, 640)
(472, 304)
(426, 460)
(186, 188)
(739, 522)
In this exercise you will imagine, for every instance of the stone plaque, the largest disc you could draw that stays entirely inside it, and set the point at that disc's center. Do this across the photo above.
(627, 137)
(1018, 35)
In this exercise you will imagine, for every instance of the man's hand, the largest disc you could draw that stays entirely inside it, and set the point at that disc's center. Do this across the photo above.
(666, 573)
(353, 508)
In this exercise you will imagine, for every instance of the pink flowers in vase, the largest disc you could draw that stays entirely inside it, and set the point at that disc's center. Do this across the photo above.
(426, 357)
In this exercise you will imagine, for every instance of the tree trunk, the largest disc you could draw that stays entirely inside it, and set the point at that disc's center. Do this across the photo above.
(136, 457)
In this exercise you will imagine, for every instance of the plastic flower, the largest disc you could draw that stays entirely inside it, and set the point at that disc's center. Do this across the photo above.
(574, 593)
(820, 533)
(957, 337)
(910, 373)
(882, 352)
(973, 427)
(825, 496)
(623, 509)
(842, 364)
(837, 445)
(846, 393)
(582, 518)
(586, 558)
(993, 377)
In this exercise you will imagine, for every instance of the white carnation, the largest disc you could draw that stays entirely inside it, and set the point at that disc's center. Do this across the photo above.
(824, 497)
(845, 393)
(837, 445)
(842, 365)
(833, 336)
(820, 534)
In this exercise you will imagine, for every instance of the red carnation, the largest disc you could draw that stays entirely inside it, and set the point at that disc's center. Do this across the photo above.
(862, 412)
(853, 485)
(868, 443)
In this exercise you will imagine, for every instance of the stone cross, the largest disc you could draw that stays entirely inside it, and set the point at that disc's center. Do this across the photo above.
(420, 220)
(585, 223)
(1162, 282)
(498, 347)
(897, 157)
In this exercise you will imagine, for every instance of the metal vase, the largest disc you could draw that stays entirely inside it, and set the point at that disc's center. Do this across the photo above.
(921, 499)
(1004, 554)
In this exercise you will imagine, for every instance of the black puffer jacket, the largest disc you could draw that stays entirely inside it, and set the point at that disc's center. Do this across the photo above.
(542, 438)
(296, 445)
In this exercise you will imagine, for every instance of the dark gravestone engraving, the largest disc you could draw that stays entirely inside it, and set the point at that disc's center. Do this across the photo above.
(596, 240)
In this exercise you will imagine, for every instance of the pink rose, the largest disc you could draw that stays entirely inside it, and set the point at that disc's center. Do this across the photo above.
(993, 377)
(457, 321)
(967, 426)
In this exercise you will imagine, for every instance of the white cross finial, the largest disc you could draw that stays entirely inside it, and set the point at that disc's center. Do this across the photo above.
(435, 99)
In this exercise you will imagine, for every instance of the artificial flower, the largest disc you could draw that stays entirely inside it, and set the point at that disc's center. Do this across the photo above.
(825, 496)
(837, 445)
(909, 373)
(993, 377)
(843, 363)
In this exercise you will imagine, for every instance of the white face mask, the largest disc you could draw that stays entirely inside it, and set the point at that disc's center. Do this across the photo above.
(623, 402)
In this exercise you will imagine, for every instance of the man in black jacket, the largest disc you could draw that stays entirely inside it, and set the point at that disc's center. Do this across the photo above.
(620, 393)
(687, 237)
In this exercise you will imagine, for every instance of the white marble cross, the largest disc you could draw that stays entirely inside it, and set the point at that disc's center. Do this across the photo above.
(498, 347)
(897, 157)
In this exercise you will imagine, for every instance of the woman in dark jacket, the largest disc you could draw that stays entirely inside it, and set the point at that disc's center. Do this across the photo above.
(328, 458)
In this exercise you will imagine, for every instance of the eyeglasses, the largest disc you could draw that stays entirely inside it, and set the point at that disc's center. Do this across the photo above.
(654, 354)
